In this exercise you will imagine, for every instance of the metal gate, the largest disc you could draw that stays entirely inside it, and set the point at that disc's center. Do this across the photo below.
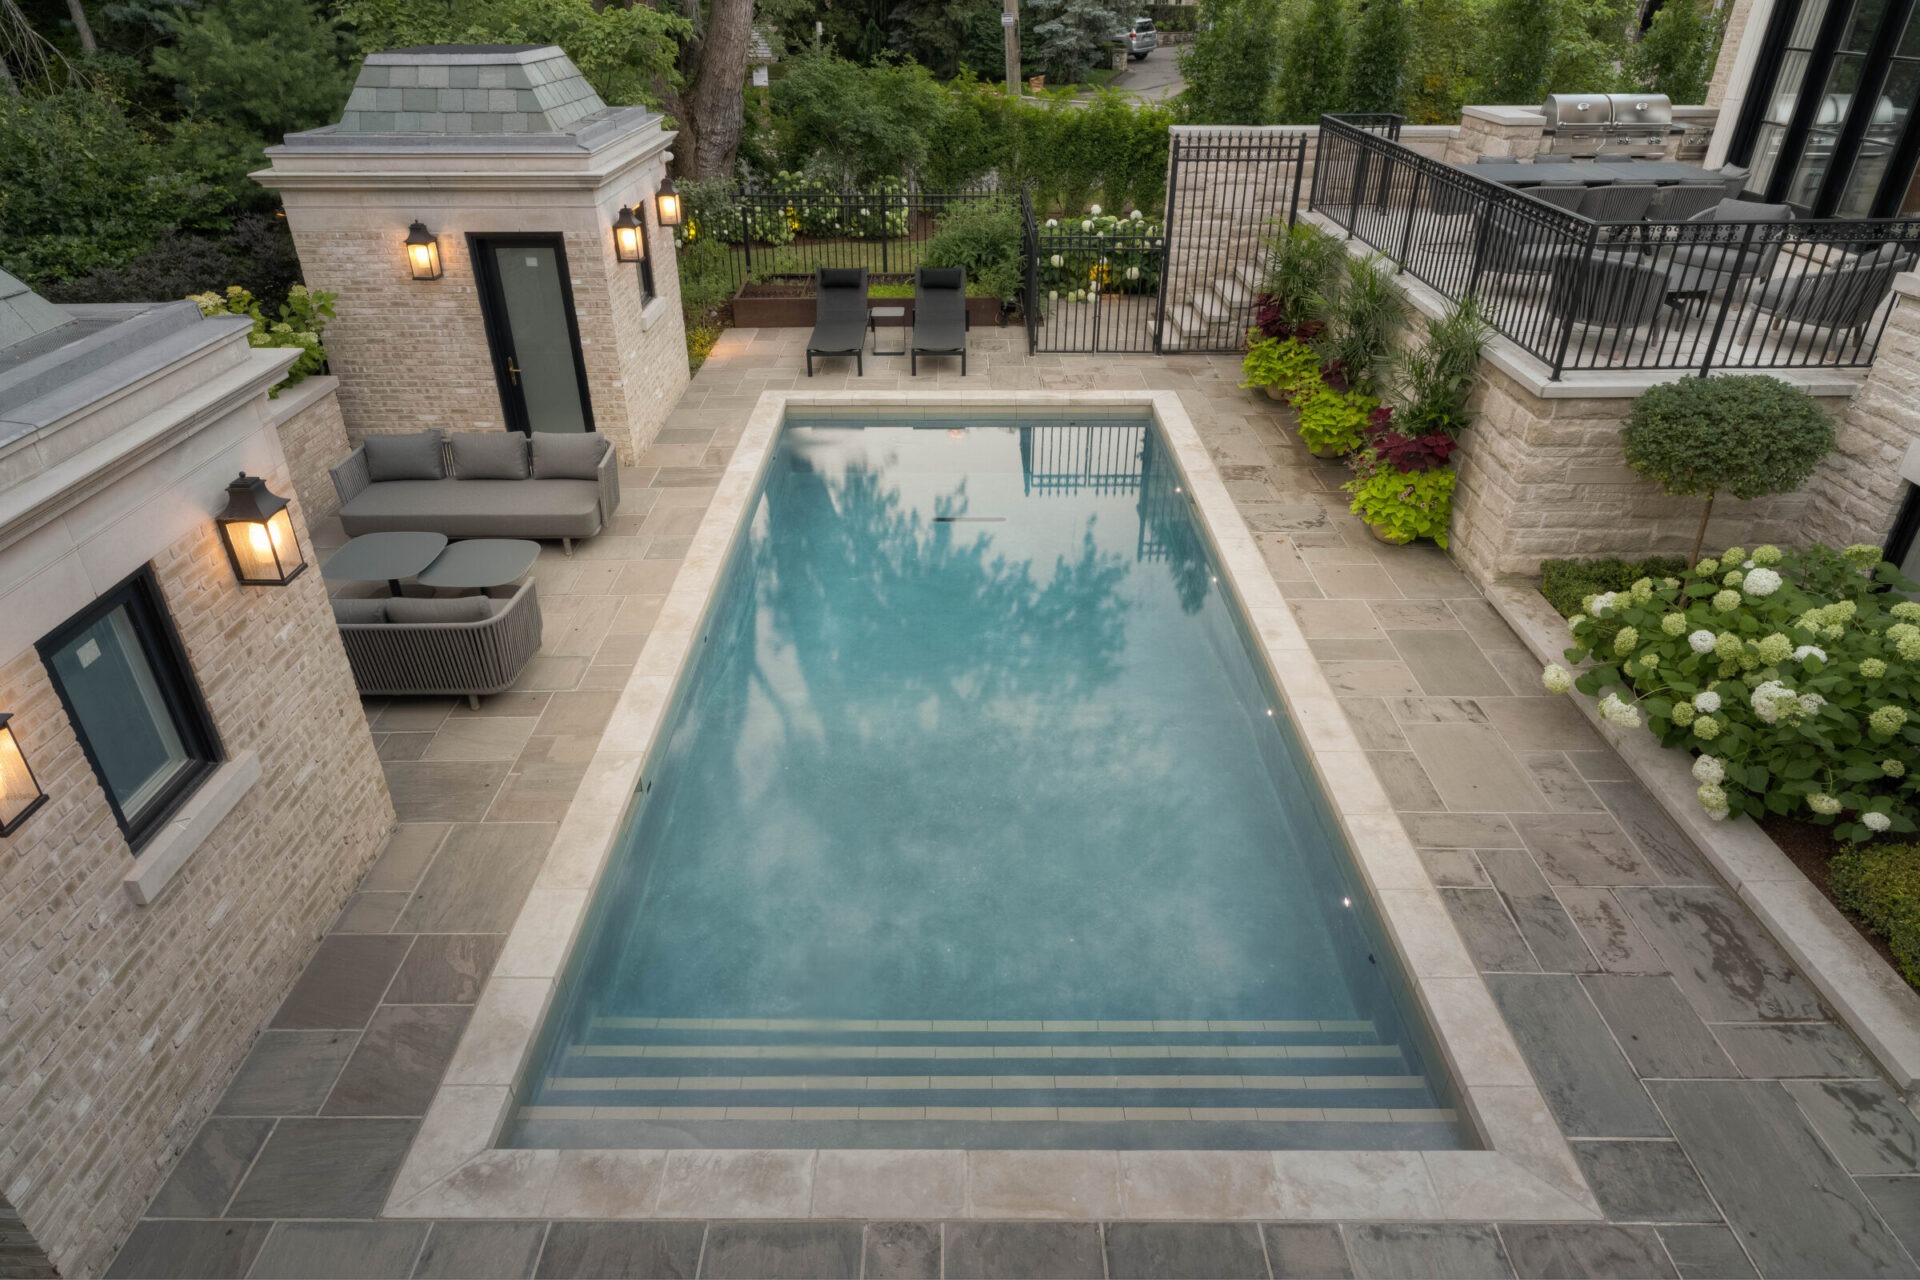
(1226, 190)
(1186, 283)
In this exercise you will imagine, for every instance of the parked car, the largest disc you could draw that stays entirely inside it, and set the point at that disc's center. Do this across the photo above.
(1140, 40)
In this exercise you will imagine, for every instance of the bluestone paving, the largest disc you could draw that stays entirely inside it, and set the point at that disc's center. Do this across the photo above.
(1796, 1211)
(340, 1251)
(480, 1251)
(901, 1251)
(1602, 887)
(1197, 1250)
(1492, 938)
(1785, 1050)
(1706, 1253)
(782, 1251)
(1426, 1251)
(1865, 1124)
(1556, 1251)
(1588, 1084)
(1644, 1180)
(398, 1062)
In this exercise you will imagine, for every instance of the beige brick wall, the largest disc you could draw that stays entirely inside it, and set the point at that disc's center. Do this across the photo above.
(1858, 490)
(1738, 18)
(414, 354)
(121, 1025)
(1542, 479)
(313, 435)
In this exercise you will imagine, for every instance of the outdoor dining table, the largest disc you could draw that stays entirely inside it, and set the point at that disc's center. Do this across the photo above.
(1661, 172)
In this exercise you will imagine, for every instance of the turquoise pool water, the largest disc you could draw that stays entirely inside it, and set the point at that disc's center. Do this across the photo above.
(978, 824)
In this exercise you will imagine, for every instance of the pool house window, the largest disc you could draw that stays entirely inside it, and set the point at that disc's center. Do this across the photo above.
(1830, 126)
(123, 677)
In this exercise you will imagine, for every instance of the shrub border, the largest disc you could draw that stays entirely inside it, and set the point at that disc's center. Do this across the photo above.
(1863, 990)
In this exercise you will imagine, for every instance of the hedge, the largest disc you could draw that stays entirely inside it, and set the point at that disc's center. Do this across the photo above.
(1880, 883)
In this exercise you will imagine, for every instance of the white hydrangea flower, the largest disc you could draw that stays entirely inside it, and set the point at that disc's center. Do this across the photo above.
(1603, 602)
(1556, 678)
(1874, 821)
(1614, 711)
(1087, 224)
(1054, 260)
(1806, 651)
(1809, 704)
(1701, 641)
(1719, 814)
(1094, 209)
(1053, 222)
(1133, 273)
(1135, 215)
(1712, 796)
(1761, 582)
(1706, 702)
(1773, 700)
(1821, 802)
(1573, 623)
(1709, 769)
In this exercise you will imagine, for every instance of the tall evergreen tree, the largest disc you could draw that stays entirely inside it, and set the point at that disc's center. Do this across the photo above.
(1073, 36)
(1231, 64)
(1676, 55)
(1313, 64)
(1377, 62)
(1517, 58)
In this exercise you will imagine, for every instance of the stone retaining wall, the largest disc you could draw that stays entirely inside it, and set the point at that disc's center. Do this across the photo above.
(1858, 491)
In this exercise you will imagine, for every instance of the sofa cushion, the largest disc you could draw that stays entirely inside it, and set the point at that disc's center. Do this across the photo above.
(434, 609)
(359, 610)
(477, 508)
(559, 456)
(415, 456)
(1744, 211)
(489, 455)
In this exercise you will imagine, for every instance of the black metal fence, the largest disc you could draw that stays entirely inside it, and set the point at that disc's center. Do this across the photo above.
(1092, 286)
(1226, 190)
(771, 235)
(1582, 293)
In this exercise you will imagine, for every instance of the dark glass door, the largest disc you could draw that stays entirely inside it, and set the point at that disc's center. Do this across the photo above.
(528, 304)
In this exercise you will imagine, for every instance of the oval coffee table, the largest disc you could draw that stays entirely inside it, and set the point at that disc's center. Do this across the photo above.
(372, 557)
(480, 562)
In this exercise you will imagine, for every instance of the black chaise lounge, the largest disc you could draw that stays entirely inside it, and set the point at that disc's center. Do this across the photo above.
(939, 315)
(839, 316)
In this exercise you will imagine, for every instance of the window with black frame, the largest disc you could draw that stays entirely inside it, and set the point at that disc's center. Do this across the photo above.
(1830, 124)
(123, 677)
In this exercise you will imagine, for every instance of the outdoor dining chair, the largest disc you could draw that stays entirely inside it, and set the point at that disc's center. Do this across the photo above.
(839, 316)
(1717, 250)
(1617, 202)
(1617, 291)
(940, 321)
(1683, 200)
(1841, 297)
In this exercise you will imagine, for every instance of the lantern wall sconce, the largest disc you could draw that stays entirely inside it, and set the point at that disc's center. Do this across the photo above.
(423, 252)
(257, 531)
(629, 236)
(20, 792)
(666, 202)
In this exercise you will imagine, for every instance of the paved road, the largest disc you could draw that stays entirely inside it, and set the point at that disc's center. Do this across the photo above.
(1155, 77)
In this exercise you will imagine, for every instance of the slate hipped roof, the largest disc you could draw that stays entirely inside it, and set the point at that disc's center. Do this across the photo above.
(468, 89)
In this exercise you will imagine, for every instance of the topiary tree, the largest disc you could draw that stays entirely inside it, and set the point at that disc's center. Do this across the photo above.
(1750, 436)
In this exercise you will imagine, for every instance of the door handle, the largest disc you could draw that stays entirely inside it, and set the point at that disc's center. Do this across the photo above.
(513, 372)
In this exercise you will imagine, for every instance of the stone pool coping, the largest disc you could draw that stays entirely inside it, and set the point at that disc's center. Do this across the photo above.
(1872, 999)
(1526, 1173)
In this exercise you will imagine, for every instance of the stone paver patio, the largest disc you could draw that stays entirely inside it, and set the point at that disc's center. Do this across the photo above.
(1725, 1124)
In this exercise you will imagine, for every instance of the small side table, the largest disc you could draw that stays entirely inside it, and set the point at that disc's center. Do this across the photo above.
(898, 317)
(392, 556)
(480, 562)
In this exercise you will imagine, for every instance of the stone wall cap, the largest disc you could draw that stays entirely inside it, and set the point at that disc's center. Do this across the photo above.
(1907, 283)
(464, 55)
(1504, 114)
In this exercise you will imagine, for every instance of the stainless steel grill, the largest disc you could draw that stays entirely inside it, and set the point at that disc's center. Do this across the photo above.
(1608, 124)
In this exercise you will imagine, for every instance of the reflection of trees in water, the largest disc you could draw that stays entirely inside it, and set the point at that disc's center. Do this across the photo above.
(1168, 528)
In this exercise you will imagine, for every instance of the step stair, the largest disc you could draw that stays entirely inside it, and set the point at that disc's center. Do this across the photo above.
(1251, 1073)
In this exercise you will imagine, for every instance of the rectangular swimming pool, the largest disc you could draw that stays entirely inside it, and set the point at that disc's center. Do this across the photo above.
(977, 822)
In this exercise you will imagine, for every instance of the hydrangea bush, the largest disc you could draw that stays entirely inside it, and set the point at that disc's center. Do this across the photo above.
(1790, 675)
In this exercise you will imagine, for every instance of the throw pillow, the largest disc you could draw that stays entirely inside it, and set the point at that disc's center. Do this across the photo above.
(415, 456)
(489, 455)
(433, 609)
(558, 456)
(360, 610)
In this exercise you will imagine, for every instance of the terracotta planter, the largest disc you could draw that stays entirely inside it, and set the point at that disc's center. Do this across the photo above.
(1386, 537)
(1275, 393)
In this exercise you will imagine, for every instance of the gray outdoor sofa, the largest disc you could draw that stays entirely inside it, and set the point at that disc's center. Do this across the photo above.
(480, 484)
(416, 647)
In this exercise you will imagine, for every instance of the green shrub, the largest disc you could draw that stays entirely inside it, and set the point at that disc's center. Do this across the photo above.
(1301, 263)
(983, 238)
(1333, 422)
(1567, 583)
(1403, 505)
(1289, 364)
(1437, 378)
(1363, 320)
(1880, 883)
(303, 318)
(1791, 675)
(1748, 435)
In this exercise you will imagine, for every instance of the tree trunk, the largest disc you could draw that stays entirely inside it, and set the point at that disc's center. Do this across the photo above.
(82, 28)
(1700, 535)
(7, 83)
(714, 106)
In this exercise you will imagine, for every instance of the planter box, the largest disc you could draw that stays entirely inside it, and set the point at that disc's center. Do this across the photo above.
(787, 303)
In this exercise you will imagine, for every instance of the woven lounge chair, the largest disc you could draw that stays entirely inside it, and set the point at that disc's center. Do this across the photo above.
(939, 316)
(468, 646)
(1617, 202)
(839, 316)
(1840, 297)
